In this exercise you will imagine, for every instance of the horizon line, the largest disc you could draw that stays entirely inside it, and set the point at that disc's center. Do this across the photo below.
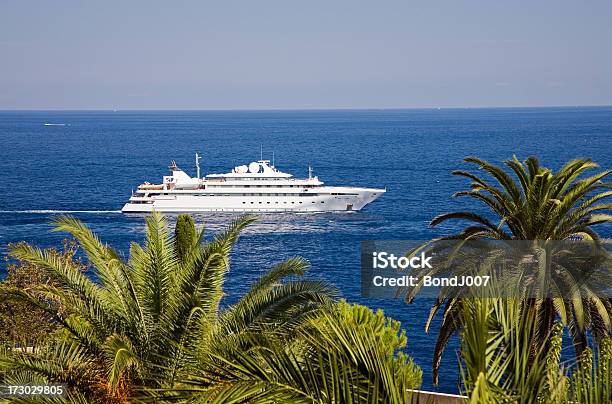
(110, 109)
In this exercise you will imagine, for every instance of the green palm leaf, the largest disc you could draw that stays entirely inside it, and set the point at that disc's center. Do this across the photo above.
(531, 202)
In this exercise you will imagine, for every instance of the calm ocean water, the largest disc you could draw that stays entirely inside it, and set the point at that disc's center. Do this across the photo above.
(91, 163)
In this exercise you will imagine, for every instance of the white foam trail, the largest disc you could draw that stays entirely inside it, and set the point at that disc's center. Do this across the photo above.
(59, 211)
(55, 124)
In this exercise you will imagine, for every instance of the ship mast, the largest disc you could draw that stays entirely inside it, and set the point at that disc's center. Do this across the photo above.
(197, 161)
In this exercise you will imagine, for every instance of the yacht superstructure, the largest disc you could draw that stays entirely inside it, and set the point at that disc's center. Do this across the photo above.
(257, 187)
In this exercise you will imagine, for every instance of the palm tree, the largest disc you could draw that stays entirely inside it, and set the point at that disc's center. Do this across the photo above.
(499, 366)
(345, 354)
(135, 323)
(535, 204)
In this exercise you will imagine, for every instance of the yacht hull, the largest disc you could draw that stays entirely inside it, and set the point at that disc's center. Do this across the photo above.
(351, 199)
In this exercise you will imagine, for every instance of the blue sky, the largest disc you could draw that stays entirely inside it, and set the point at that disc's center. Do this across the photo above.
(303, 54)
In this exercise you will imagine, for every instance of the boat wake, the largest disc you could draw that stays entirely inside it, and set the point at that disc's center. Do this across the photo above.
(46, 211)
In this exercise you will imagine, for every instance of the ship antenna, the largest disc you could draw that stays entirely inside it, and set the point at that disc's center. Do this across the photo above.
(197, 159)
(260, 151)
(309, 171)
(272, 158)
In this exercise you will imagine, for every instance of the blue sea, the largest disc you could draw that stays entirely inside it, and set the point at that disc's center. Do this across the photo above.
(88, 162)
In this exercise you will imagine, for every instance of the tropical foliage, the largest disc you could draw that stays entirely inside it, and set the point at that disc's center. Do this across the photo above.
(532, 202)
(22, 325)
(154, 327)
(499, 366)
(185, 234)
(346, 354)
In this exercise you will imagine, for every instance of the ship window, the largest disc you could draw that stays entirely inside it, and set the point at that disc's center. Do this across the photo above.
(313, 201)
(322, 201)
(268, 202)
(300, 201)
(252, 203)
(243, 202)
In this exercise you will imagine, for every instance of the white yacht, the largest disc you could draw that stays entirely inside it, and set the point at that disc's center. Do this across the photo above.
(258, 187)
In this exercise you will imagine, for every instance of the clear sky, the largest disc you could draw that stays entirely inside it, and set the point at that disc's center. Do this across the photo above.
(285, 54)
